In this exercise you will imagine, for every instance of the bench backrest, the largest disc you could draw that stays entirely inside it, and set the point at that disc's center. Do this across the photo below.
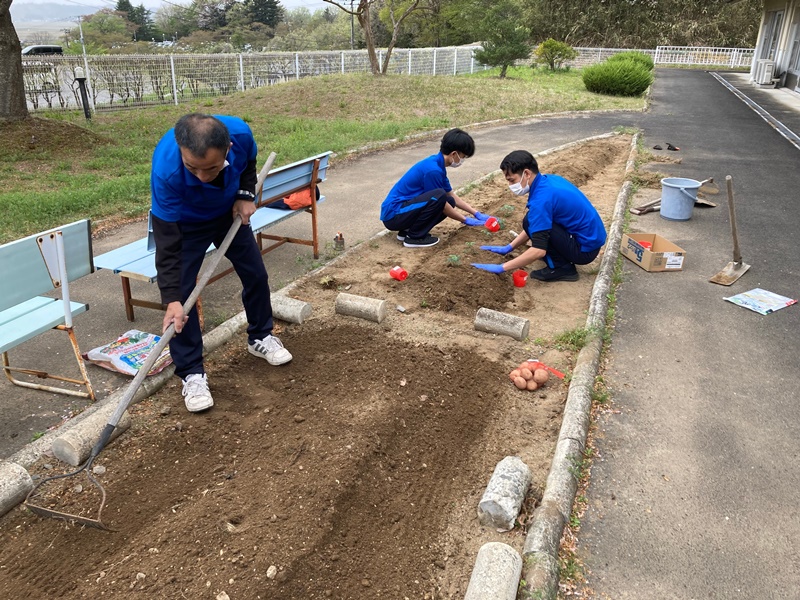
(293, 177)
(24, 273)
(278, 184)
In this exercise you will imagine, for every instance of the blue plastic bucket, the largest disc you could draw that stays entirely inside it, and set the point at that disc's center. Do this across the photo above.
(678, 196)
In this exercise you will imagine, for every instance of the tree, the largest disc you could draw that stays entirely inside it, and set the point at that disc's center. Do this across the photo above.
(554, 54)
(175, 20)
(143, 19)
(12, 93)
(268, 12)
(396, 11)
(504, 40)
(105, 28)
(211, 14)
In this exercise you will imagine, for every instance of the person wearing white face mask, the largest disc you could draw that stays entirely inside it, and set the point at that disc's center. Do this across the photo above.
(424, 197)
(563, 227)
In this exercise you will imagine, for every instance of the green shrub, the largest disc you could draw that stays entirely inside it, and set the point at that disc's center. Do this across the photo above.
(554, 54)
(617, 78)
(640, 57)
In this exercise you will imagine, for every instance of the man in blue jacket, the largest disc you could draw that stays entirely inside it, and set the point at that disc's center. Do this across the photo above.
(424, 197)
(563, 227)
(203, 175)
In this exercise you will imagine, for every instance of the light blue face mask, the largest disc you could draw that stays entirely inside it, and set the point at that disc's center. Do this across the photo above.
(459, 163)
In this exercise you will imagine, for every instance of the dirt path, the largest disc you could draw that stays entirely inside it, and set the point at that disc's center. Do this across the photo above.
(355, 471)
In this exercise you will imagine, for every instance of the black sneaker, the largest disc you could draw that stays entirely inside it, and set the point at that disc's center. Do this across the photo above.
(565, 273)
(401, 236)
(425, 242)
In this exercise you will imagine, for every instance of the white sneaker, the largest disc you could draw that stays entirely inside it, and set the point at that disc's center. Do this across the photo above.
(196, 394)
(271, 349)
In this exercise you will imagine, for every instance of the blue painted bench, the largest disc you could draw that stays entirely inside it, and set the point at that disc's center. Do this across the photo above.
(137, 259)
(34, 266)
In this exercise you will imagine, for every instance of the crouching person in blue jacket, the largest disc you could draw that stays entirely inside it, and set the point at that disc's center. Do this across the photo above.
(562, 225)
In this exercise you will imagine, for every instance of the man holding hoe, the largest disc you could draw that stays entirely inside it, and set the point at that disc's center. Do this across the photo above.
(563, 227)
(424, 197)
(204, 175)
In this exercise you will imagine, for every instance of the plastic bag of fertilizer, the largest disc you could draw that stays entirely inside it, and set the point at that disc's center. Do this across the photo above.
(128, 353)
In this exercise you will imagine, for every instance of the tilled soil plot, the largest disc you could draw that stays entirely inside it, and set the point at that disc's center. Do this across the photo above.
(354, 472)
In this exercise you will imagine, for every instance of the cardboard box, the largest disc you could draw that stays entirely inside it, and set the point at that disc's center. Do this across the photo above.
(662, 256)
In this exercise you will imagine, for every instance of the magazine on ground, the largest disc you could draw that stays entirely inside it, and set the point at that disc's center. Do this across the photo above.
(761, 301)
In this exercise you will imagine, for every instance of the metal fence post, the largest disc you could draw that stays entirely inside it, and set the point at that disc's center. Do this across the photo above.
(434, 61)
(409, 61)
(472, 62)
(296, 65)
(88, 82)
(241, 71)
(455, 61)
(174, 83)
(342, 63)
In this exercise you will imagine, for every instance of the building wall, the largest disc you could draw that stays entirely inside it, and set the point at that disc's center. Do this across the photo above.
(779, 41)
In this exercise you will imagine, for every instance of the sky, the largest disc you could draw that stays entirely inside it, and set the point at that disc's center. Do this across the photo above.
(153, 5)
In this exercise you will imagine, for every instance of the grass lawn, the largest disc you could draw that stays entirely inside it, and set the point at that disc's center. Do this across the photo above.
(61, 168)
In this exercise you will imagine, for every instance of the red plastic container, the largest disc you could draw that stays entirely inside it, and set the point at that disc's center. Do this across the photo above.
(492, 224)
(398, 273)
(520, 278)
(646, 245)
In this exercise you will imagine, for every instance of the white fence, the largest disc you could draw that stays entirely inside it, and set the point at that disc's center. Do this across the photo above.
(674, 55)
(143, 80)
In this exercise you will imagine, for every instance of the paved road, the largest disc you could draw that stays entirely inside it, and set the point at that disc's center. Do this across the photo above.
(694, 493)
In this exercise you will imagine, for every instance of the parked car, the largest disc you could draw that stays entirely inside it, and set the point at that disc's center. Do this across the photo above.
(41, 49)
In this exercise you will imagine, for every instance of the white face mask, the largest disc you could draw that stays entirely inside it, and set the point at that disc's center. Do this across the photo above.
(517, 189)
(459, 163)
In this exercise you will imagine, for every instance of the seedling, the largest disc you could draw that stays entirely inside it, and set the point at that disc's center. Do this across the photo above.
(453, 260)
(506, 210)
(328, 282)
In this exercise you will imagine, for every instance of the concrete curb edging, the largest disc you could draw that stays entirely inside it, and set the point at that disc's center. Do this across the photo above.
(540, 553)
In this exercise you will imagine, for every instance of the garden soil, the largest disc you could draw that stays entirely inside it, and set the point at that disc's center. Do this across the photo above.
(355, 471)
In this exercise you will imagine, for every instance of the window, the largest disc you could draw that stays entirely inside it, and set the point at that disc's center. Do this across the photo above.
(794, 56)
(772, 33)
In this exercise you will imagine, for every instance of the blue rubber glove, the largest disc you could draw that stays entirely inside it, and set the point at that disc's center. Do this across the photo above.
(498, 249)
(473, 222)
(497, 269)
(482, 217)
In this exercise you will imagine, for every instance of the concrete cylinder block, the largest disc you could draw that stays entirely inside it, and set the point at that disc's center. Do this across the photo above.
(370, 309)
(492, 321)
(496, 573)
(504, 494)
(15, 484)
(75, 446)
(289, 309)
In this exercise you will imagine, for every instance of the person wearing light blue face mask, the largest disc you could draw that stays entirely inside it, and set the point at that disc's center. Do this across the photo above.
(563, 227)
(424, 197)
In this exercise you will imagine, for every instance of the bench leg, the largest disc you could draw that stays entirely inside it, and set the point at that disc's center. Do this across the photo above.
(126, 297)
(314, 238)
(89, 393)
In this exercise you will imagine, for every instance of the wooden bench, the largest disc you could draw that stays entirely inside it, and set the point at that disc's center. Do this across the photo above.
(33, 266)
(137, 259)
